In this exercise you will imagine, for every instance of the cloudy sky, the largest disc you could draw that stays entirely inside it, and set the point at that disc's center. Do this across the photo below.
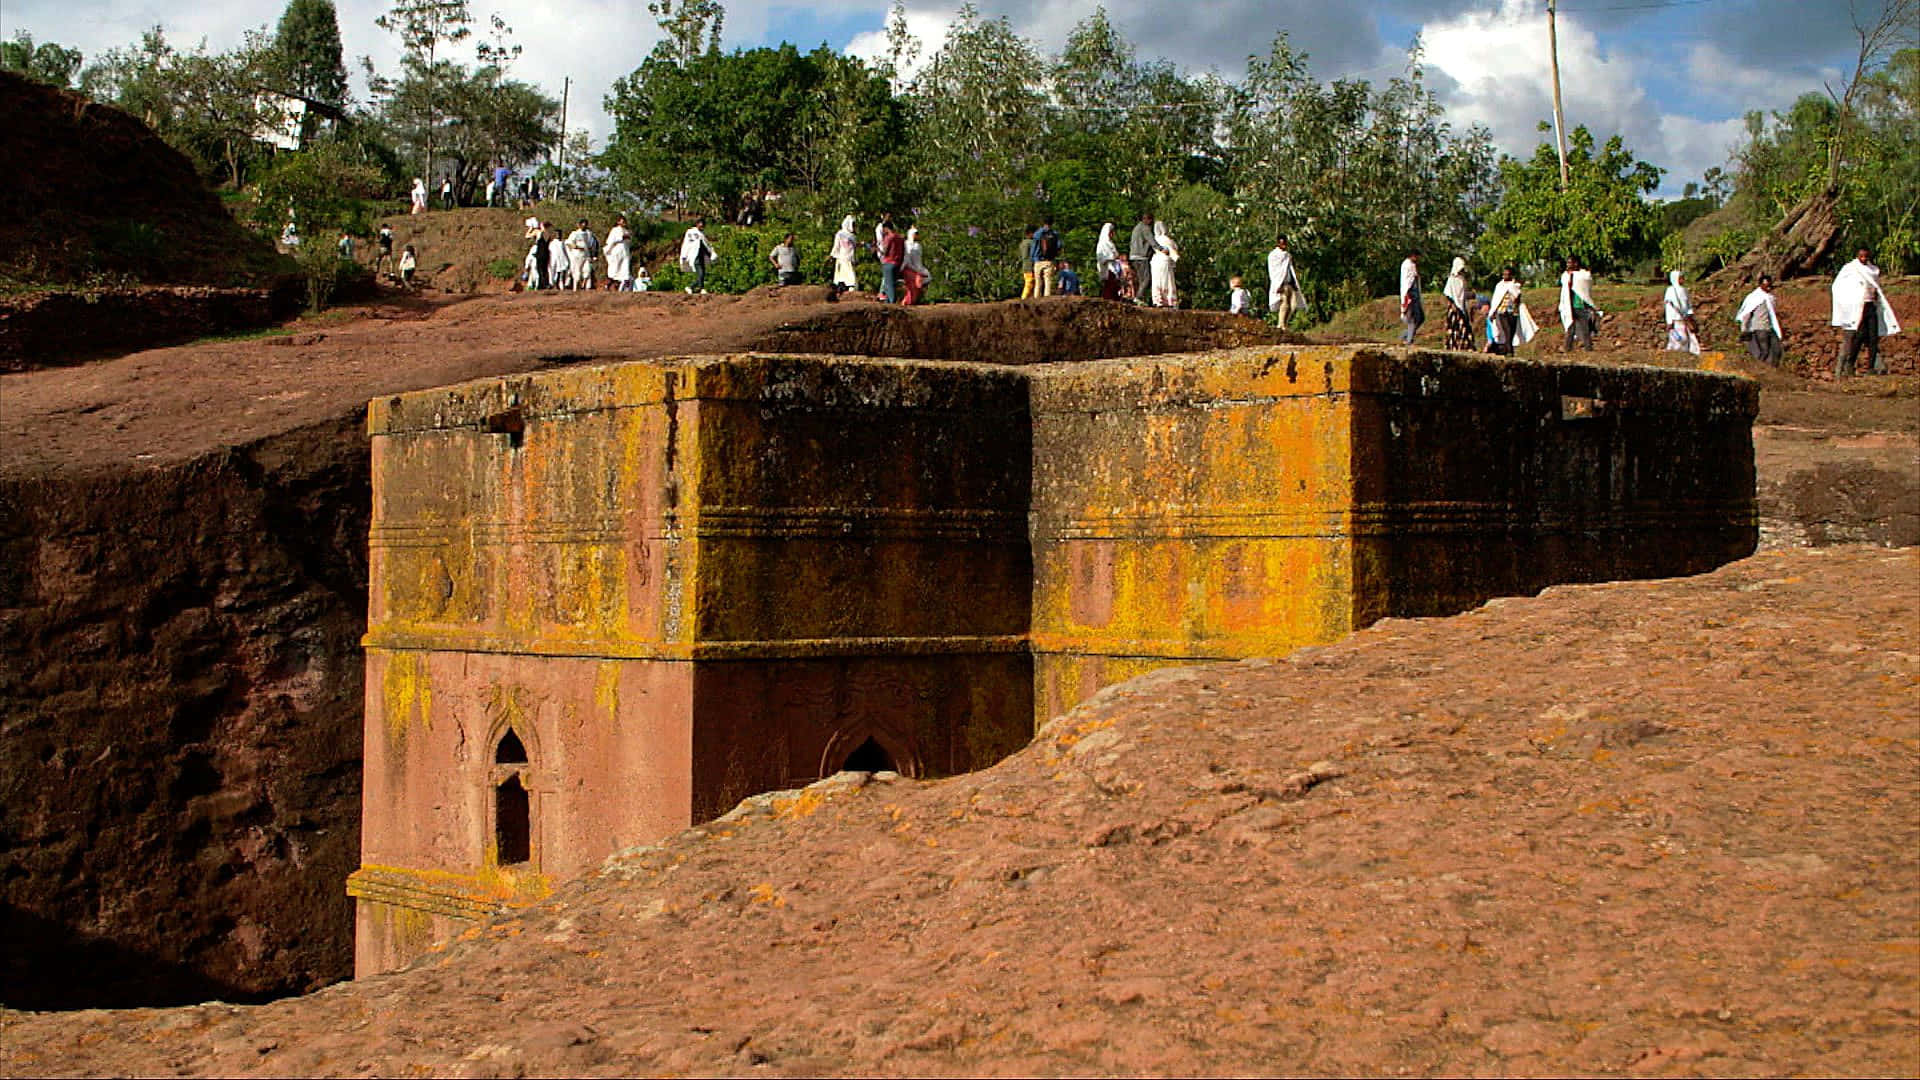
(1673, 76)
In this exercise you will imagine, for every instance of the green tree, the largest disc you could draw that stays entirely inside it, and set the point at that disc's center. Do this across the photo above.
(212, 107)
(320, 191)
(307, 52)
(47, 62)
(690, 29)
(722, 130)
(1603, 217)
(422, 26)
(1351, 174)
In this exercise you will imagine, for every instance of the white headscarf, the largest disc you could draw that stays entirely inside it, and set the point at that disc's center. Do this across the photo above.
(1166, 241)
(916, 255)
(1104, 249)
(1854, 286)
(1409, 277)
(691, 246)
(1678, 304)
(843, 240)
(1456, 289)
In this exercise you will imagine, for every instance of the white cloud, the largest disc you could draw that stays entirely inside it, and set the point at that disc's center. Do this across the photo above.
(1500, 73)
(929, 28)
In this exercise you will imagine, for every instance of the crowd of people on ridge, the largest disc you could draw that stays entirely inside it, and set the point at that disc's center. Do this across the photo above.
(1147, 275)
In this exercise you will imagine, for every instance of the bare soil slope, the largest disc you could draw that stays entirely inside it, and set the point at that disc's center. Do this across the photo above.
(1653, 828)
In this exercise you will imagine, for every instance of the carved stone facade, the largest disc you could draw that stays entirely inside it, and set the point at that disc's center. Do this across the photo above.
(607, 603)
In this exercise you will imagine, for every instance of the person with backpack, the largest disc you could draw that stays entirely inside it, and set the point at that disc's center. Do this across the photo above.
(1046, 259)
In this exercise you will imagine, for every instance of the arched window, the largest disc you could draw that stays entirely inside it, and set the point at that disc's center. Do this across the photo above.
(869, 756)
(510, 751)
(512, 822)
(512, 802)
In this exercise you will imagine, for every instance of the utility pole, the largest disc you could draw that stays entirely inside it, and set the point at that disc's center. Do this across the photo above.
(1559, 117)
(566, 85)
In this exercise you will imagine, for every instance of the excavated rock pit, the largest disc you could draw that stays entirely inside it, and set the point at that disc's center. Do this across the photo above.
(183, 589)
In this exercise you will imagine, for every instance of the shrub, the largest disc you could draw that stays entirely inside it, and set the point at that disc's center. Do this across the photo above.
(503, 269)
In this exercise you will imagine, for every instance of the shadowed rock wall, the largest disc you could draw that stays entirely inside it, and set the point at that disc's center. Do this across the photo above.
(179, 764)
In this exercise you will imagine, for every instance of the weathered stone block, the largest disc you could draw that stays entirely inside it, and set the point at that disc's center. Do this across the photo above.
(1226, 505)
(609, 602)
(674, 584)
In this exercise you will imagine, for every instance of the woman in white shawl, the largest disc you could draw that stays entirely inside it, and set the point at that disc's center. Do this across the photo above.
(696, 254)
(1861, 309)
(913, 268)
(1459, 314)
(1679, 314)
(1165, 254)
(620, 255)
(1106, 259)
(419, 196)
(844, 246)
(1509, 323)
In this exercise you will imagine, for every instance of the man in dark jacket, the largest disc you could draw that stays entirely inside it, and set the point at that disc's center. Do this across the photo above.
(1140, 249)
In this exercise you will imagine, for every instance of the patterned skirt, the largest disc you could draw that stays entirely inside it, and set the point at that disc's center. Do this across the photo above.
(1459, 329)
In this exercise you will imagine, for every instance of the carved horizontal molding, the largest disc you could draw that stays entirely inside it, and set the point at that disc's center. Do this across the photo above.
(723, 522)
(1391, 519)
(773, 649)
(451, 895)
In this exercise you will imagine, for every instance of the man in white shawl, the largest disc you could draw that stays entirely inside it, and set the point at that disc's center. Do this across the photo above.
(695, 254)
(1412, 311)
(1165, 254)
(1678, 308)
(1283, 283)
(619, 255)
(582, 245)
(1577, 310)
(842, 255)
(1861, 309)
(1760, 323)
(1509, 323)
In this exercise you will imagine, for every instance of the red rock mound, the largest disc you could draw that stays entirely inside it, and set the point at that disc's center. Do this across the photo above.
(1652, 828)
(94, 192)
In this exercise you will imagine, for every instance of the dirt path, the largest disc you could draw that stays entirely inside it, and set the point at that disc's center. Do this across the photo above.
(1651, 828)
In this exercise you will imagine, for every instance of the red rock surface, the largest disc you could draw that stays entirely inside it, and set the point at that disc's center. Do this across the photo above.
(1651, 828)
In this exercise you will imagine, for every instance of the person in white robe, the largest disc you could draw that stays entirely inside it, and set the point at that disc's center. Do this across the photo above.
(1106, 257)
(842, 254)
(1166, 254)
(696, 254)
(1678, 309)
(559, 263)
(1860, 308)
(620, 255)
(419, 196)
(913, 268)
(581, 244)
(1283, 283)
(1578, 313)
(1413, 311)
(1759, 323)
(1459, 307)
(1510, 323)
